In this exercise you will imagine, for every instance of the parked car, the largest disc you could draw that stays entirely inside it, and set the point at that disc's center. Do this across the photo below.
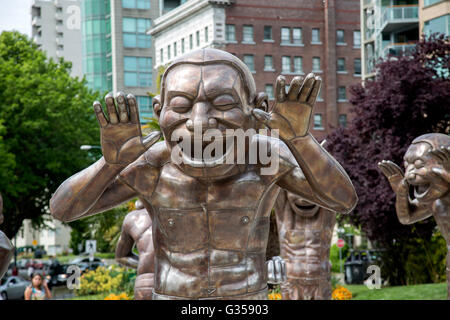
(22, 263)
(13, 288)
(56, 274)
(36, 264)
(86, 266)
(79, 260)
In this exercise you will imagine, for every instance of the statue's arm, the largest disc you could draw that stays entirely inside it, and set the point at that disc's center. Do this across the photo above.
(93, 190)
(318, 177)
(124, 250)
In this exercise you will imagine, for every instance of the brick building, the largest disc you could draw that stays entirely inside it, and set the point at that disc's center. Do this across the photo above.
(275, 37)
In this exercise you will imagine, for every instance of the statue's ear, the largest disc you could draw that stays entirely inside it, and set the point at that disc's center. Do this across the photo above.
(157, 106)
(262, 102)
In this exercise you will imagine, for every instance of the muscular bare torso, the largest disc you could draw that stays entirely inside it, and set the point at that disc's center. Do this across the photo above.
(211, 235)
(305, 232)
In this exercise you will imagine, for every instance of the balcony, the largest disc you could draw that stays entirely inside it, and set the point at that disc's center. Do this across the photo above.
(36, 21)
(396, 17)
(397, 49)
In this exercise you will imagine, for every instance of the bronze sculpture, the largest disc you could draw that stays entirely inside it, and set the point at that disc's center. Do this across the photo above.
(137, 230)
(6, 247)
(305, 231)
(210, 219)
(423, 190)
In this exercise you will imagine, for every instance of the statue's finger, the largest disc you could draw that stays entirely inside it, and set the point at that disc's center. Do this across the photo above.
(280, 89)
(99, 114)
(122, 106)
(262, 116)
(111, 108)
(315, 90)
(306, 88)
(294, 88)
(134, 111)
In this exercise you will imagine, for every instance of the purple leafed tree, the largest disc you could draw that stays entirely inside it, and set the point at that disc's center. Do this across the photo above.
(410, 96)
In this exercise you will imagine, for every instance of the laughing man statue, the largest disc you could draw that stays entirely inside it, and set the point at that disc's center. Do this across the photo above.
(6, 248)
(210, 217)
(424, 189)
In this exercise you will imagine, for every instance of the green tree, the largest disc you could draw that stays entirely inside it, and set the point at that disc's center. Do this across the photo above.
(45, 115)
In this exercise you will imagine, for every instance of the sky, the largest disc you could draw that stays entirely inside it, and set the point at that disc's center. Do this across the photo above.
(15, 15)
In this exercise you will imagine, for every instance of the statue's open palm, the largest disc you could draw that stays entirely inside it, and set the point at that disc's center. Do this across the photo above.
(121, 135)
(291, 113)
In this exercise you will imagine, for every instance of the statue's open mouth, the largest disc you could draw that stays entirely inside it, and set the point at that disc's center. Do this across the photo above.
(418, 191)
(202, 153)
(305, 208)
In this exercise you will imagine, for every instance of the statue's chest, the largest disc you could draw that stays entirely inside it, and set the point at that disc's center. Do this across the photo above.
(192, 214)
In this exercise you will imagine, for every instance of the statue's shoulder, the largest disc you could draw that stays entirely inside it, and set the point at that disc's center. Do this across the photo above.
(157, 155)
(144, 171)
(277, 150)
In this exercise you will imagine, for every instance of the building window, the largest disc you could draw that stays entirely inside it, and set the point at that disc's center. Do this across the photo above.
(249, 60)
(145, 106)
(269, 91)
(298, 65)
(59, 10)
(342, 94)
(357, 66)
(343, 120)
(340, 37)
(268, 63)
(315, 35)
(134, 33)
(319, 95)
(175, 49)
(191, 41)
(182, 45)
(206, 34)
(316, 64)
(247, 34)
(356, 39)
(230, 33)
(440, 24)
(318, 124)
(161, 54)
(285, 64)
(297, 35)
(136, 4)
(285, 35)
(168, 52)
(268, 33)
(197, 38)
(60, 47)
(341, 65)
(138, 71)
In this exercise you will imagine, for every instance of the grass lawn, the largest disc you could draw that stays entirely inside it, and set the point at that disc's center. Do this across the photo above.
(433, 291)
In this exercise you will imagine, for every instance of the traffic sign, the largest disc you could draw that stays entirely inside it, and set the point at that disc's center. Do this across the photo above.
(340, 243)
(91, 246)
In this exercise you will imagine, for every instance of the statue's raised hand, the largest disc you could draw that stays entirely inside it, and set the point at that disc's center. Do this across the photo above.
(121, 135)
(395, 176)
(291, 113)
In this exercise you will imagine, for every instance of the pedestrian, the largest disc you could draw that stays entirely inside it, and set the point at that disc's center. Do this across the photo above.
(38, 289)
(30, 271)
(15, 271)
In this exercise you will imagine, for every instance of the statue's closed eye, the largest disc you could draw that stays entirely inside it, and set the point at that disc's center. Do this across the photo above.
(180, 104)
(224, 102)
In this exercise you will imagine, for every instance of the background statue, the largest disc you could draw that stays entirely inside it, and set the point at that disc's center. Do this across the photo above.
(137, 230)
(6, 247)
(211, 217)
(423, 190)
(305, 231)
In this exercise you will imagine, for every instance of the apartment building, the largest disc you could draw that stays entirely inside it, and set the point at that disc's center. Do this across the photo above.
(388, 27)
(434, 16)
(56, 28)
(272, 38)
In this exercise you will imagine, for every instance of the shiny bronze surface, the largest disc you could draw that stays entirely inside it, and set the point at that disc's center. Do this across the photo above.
(6, 247)
(137, 230)
(423, 189)
(305, 231)
(210, 223)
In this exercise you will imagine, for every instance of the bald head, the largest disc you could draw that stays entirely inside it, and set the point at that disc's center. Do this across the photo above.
(209, 56)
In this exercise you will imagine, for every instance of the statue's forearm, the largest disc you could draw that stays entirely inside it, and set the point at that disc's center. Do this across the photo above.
(131, 261)
(327, 178)
(80, 192)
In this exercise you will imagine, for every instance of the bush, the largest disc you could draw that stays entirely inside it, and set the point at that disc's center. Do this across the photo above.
(113, 279)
